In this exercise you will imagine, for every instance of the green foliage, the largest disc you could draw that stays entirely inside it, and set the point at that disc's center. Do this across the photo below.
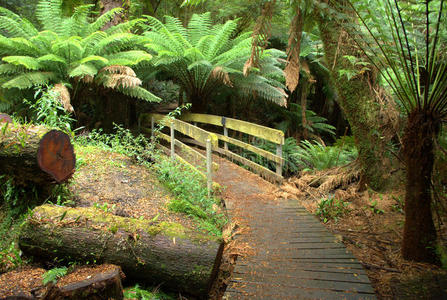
(316, 156)
(373, 207)
(191, 194)
(49, 110)
(189, 188)
(10, 257)
(398, 206)
(137, 292)
(206, 59)
(331, 209)
(71, 51)
(291, 119)
(104, 207)
(52, 276)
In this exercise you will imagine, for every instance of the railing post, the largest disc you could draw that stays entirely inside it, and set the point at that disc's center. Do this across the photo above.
(172, 140)
(152, 127)
(226, 135)
(209, 167)
(279, 165)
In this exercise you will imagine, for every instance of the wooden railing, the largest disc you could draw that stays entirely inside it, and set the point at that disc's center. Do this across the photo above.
(266, 133)
(208, 139)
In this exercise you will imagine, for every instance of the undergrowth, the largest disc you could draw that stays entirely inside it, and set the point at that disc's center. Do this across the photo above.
(188, 187)
(138, 292)
(331, 209)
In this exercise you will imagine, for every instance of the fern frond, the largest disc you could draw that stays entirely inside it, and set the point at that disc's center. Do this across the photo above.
(30, 63)
(83, 70)
(140, 93)
(11, 69)
(79, 20)
(51, 58)
(103, 20)
(129, 58)
(124, 27)
(89, 43)
(15, 25)
(221, 38)
(28, 80)
(198, 27)
(94, 58)
(115, 43)
(49, 14)
(70, 49)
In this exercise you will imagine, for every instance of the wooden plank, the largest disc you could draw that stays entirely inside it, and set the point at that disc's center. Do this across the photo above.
(187, 129)
(195, 155)
(260, 170)
(248, 273)
(303, 286)
(267, 133)
(246, 146)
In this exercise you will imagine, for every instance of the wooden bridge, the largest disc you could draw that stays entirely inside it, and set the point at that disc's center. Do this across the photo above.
(291, 254)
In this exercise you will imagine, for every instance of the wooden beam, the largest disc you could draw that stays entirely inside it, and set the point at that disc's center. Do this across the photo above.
(275, 158)
(187, 129)
(267, 133)
(190, 152)
(258, 169)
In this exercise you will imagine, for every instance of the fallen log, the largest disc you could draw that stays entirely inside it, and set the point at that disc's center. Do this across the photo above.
(163, 253)
(32, 154)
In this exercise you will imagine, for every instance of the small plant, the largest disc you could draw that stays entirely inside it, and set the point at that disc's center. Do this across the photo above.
(53, 275)
(104, 207)
(399, 205)
(331, 209)
(373, 206)
(49, 109)
(138, 292)
(11, 257)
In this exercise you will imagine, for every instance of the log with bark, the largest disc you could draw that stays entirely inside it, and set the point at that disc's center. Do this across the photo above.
(35, 154)
(162, 253)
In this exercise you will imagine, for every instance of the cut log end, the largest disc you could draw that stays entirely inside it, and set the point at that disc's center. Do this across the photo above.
(56, 156)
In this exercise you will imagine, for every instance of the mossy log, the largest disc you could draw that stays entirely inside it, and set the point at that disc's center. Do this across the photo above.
(162, 253)
(35, 154)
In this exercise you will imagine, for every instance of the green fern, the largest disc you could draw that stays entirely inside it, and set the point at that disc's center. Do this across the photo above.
(69, 49)
(206, 59)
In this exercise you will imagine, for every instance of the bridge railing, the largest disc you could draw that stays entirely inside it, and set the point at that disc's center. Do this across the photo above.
(266, 133)
(206, 138)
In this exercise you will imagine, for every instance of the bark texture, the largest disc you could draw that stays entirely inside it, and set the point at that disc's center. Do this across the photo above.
(164, 253)
(419, 231)
(105, 285)
(357, 98)
(21, 146)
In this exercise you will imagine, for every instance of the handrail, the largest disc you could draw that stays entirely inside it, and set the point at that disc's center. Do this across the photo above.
(269, 134)
(200, 135)
(273, 135)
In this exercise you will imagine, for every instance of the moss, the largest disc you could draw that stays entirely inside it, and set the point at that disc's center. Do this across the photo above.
(113, 223)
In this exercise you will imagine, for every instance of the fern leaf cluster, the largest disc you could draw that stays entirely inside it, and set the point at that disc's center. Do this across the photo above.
(69, 50)
(204, 58)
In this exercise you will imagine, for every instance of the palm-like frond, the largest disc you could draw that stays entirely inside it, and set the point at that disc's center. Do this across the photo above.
(203, 57)
(71, 49)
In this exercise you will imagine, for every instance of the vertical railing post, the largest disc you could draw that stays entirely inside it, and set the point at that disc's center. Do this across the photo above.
(152, 127)
(226, 135)
(172, 140)
(279, 165)
(209, 167)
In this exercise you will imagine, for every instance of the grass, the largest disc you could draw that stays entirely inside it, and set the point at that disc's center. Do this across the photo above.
(188, 187)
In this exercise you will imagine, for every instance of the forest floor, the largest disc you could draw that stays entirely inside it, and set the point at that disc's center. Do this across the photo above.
(370, 224)
(110, 182)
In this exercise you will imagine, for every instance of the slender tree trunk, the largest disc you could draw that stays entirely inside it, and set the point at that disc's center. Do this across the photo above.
(419, 231)
(356, 97)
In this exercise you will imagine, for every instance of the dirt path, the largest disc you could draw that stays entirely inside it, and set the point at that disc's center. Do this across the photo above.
(288, 253)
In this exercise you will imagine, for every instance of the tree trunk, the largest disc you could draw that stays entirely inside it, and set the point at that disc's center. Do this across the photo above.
(163, 253)
(419, 232)
(28, 157)
(107, 5)
(356, 97)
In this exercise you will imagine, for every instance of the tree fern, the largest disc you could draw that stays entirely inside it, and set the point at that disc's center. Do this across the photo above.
(70, 50)
(205, 59)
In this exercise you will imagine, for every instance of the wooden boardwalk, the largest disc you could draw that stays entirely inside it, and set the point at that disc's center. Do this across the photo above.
(292, 256)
